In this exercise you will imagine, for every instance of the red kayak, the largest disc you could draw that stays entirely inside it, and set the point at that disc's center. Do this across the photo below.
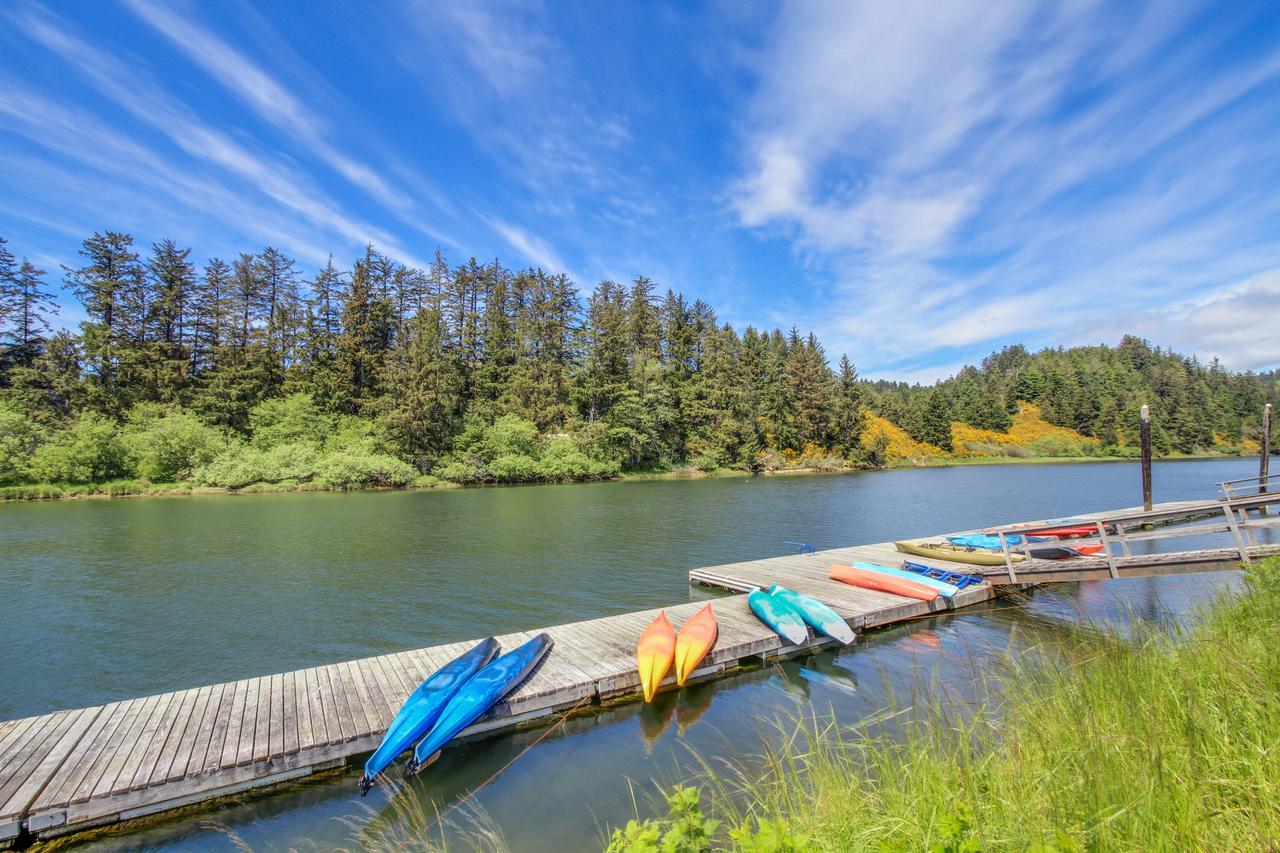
(1064, 532)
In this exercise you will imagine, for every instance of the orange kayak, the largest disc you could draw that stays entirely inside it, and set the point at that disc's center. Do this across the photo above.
(881, 582)
(697, 638)
(654, 652)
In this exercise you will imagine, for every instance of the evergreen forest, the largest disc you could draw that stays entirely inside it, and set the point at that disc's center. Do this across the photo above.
(250, 371)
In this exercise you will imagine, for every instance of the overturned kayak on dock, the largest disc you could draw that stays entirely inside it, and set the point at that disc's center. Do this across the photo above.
(695, 641)
(1065, 553)
(943, 588)
(955, 553)
(778, 615)
(822, 618)
(423, 707)
(655, 651)
(989, 542)
(881, 582)
(484, 690)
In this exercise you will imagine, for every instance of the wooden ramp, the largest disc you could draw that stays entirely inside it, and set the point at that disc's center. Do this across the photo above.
(72, 770)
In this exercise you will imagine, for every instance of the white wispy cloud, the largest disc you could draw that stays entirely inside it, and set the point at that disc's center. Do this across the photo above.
(531, 247)
(271, 99)
(969, 174)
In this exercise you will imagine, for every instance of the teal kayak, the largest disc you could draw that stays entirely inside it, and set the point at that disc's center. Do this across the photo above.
(943, 588)
(423, 708)
(823, 619)
(778, 615)
(485, 689)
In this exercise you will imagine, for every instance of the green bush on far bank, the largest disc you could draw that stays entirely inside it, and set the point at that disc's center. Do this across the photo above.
(1159, 741)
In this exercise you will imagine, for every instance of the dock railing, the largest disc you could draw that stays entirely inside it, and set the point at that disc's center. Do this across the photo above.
(1227, 515)
(1248, 486)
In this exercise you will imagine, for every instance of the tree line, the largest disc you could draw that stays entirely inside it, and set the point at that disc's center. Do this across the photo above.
(476, 372)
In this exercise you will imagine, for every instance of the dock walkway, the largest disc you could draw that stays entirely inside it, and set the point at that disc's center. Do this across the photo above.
(72, 770)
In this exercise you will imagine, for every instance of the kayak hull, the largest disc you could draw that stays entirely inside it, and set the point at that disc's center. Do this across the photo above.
(655, 652)
(943, 588)
(989, 542)
(1065, 552)
(955, 553)
(695, 641)
(819, 616)
(881, 582)
(778, 615)
(480, 693)
(421, 710)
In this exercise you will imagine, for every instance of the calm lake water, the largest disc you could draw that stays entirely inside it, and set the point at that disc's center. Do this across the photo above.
(113, 599)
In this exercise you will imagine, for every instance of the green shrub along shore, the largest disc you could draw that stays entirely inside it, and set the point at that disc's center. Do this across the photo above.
(1159, 740)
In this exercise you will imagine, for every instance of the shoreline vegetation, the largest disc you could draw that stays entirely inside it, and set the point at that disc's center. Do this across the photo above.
(138, 489)
(1143, 737)
(253, 375)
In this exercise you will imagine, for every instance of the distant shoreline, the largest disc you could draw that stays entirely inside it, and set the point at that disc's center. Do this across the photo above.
(137, 489)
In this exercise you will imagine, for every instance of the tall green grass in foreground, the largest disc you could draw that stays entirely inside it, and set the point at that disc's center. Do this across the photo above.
(1157, 741)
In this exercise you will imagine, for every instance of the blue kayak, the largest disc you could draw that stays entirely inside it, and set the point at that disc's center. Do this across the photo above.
(423, 708)
(778, 615)
(943, 588)
(989, 542)
(485, 689)
(823, 619)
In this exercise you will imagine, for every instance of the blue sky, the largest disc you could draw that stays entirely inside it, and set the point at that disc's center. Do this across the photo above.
(920, 183)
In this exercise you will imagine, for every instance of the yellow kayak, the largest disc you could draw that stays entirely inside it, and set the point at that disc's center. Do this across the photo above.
(654, 653)
(955, 553)
(697, 637)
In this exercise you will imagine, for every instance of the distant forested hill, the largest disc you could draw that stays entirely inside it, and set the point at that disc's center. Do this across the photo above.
(249, 370)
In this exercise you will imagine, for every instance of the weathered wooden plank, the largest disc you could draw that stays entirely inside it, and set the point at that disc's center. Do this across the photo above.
(108, 741)
(136, 768)
(382, 697)
(23, 790)
(261, 749)
(358, 697)
(28, 754)
(276, 744)
(216, 751)
(409, 672)
(234, 724)
(316, 709)
(289, 700)
(179, 718)
(80, 760)
(119, 757)
(17, 735)
(248, 722)
(195, 738)
(341, 703)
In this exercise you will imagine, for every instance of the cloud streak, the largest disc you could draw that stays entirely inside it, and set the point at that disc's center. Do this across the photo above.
(980, 173)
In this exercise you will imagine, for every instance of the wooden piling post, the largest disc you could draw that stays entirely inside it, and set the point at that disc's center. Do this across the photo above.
(1146, 457)
(1264, 460)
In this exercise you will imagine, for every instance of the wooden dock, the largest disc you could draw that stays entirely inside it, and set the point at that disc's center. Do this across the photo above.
(72, 770)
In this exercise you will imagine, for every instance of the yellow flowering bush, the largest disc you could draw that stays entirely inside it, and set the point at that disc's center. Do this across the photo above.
(1030, 431)
(896, 443)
